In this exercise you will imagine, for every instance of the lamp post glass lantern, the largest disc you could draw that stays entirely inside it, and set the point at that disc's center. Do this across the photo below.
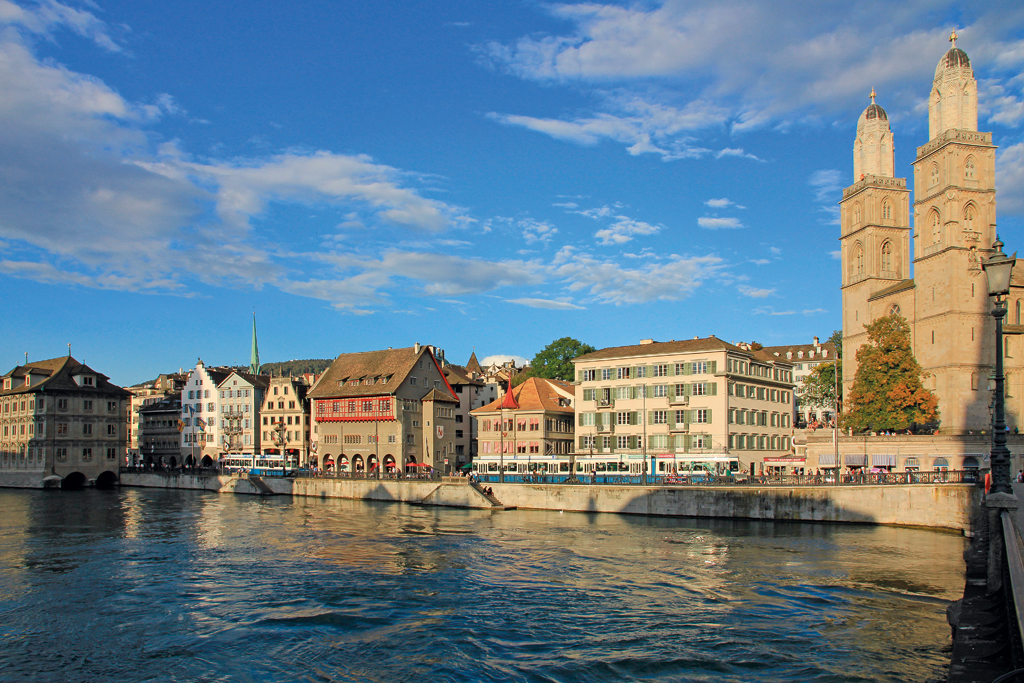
(999, 269)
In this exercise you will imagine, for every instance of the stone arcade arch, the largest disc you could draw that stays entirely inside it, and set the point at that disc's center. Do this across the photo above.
(74, 481)
(106, 480)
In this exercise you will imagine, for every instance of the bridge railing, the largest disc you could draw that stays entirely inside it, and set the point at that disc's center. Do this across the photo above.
(702, 479)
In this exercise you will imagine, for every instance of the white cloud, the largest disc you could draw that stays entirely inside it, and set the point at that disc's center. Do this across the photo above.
(605, 281)
(761, 261)
(775, 250)
(837, 254)
(768, 310)
(623, 230)
(537, 231)
(722, 203)
(500, 358)
(715, 223)
(754, 292)
(547, 303)
(827, 189)
(814, 311)
(1010, 178)
(47, 16)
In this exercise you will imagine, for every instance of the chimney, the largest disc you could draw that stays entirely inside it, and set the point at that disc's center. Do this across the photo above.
(645, 342)
(416, 347)
(816, 341)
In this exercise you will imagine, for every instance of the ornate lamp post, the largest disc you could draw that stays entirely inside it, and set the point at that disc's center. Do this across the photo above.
(998, 269)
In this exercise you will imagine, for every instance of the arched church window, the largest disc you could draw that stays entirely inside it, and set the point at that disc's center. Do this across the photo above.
(858, 260)
(934, 175)
(936, 228)
(1016, 317)
(887, 257)
(970, 216)
(970, 170)
(856, 214)
(894, 309)
(887, 210)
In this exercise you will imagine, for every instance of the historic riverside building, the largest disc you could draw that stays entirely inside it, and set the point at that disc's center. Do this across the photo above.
(526, 428)
(806, 357)
(241, 396)
(392, 408)
(472, 393)
(158, 435)
(285, 420)
(945, 300)
(166, 384)
(200, 407)
(60, 418)
(671, 404)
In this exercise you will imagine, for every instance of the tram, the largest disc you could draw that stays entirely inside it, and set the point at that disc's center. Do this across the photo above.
(605, 468)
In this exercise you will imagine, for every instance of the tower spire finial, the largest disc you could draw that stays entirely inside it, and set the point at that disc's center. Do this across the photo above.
(952, 37)
(872, 95)
(254, 357)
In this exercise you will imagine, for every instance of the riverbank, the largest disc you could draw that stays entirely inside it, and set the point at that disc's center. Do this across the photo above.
(940, 506)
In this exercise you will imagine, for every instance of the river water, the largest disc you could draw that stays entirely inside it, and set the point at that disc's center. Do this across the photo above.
(152, 585)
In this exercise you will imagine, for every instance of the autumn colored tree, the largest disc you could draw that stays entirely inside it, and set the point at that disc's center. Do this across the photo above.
(819, 387)
(888, 392)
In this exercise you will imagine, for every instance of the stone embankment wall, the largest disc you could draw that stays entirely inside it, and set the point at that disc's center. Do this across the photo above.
(944, 506)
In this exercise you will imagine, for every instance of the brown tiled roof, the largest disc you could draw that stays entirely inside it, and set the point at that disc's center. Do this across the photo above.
(473, 365)
(778, 353)
(659, 348)
(261, 381)
(59, 373)
(535, 393)
(457, 374)
(438, 395)
(395, 364)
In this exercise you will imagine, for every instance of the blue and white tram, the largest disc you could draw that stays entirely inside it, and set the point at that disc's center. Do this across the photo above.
(605, 468)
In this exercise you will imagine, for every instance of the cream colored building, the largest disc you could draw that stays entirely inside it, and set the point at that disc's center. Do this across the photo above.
(285, 421)
(945, 299)
(699, 400)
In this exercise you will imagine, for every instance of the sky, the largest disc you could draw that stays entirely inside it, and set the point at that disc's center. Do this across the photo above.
(480, 176)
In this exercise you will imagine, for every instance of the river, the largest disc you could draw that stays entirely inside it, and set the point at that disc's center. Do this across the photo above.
(154, 585)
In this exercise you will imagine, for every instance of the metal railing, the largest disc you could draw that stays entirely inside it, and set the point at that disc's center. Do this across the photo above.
(707, 479)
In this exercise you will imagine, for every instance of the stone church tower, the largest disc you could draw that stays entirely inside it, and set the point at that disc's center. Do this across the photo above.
(946, 302)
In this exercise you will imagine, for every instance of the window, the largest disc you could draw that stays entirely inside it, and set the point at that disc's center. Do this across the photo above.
(622, 418)
(660, 371)
(590, 394)
(587, 419)
(640, 371)
(970, 215)
(700, 389)
(700, 416)
(87, 381)
(86, 454)
(622, 393)
(622, 373)
(886, 210)
(970, 170)
(936, 224)
(86, 430)
(210, 407)
(659, 417)
(934, 175)
(111, 453)
(412, 381)
(894, 309)
(606, 373)
(887, 257)
(681, 417)
(858, 260)
(700, 367)
(111, 430)
(86, 405)
(622, 442)
(588, 376)
(660, 390)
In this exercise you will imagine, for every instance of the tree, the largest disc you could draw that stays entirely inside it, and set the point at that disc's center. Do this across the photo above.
(888, 392)
(555, 361)
(819, 387)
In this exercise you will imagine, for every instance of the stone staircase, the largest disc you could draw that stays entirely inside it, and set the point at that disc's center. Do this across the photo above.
(495, 503)
(261, 485)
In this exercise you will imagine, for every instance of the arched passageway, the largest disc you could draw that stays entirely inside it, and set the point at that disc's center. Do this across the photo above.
(73, 481)
(106, 480)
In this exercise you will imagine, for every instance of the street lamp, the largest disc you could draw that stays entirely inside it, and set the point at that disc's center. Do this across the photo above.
(998, 269)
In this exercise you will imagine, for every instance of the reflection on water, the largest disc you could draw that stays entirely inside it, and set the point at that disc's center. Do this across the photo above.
(137, 585)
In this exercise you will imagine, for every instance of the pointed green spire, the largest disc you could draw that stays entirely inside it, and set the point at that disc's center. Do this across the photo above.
(254, 359)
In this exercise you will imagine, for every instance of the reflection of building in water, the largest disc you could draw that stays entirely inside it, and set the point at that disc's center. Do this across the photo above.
(945, 300)
(61, 417)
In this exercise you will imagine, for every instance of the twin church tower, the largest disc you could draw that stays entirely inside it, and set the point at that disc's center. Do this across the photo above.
(946, 301)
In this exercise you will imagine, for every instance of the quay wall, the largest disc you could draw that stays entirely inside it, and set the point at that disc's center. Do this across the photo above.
(944, 506)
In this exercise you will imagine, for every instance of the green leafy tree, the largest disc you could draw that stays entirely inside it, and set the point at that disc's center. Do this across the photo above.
(819, 387)
(888, 392)
(555, 361)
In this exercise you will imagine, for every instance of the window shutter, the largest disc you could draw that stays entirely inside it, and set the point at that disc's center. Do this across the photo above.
(650, 371)
(687, 442)
(631, 443)
(687, 368)
(709, 415)
(671, 418)
(687, 417)
(650, 417)
(671, 369)
(671, 392)
(580, 416)
(712, 388)
(713, 367)
(633, 418)
(687, 389)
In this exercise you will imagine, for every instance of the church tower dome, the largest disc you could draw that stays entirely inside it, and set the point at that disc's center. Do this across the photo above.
(873, 148)
(954, 99)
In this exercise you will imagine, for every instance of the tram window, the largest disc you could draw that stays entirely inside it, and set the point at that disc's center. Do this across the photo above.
(563, 467)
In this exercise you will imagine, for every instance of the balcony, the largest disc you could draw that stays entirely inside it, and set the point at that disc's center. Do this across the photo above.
(605, 428)
(678, 400)
(679, 428)
(606, 402)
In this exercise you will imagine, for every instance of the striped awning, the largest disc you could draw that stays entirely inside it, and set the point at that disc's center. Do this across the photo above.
(883, 460)
(827, 460)
(910, 462)
(940, 462)
(856, 460)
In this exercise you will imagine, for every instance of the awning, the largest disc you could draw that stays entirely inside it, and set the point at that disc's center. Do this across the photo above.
(827, 460)
(790, 459)
(940, 462)
(856, 460)
(910, 462)
(883, 460)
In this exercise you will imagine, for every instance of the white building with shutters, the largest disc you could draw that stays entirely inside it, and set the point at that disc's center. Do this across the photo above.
(696, 400)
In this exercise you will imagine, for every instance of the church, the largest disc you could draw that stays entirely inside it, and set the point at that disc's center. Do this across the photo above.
(935, 282)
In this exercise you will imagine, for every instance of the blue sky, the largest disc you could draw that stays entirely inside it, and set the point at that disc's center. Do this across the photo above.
(471, 175)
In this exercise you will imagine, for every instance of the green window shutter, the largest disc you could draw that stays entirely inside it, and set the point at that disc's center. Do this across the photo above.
(709, 415)
(579, 375)
(671, 419)
(671, 369)
(688, 369)
(650, 417)
(671, 392)
(712, 388)
(688, 416)
(713, 367)
(581, 446)
(631, 443)
(650, 371)
(687, 389)
(580, 419)
(633, 418)
(687, 442)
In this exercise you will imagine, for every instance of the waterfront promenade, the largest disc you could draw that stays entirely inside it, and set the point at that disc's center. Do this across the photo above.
(942, 505)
